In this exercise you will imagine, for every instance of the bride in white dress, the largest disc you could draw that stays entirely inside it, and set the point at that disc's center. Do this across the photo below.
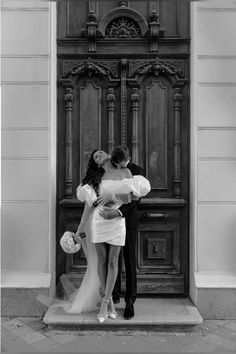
(104, 238)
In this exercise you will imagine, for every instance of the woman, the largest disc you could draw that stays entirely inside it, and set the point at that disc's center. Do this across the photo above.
(116, 186)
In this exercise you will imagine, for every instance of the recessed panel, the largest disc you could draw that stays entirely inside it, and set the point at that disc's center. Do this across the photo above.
(90, 122)
(156, 133)
(158, 248)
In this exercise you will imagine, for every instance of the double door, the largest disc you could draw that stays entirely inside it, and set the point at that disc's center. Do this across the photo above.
(140, 103)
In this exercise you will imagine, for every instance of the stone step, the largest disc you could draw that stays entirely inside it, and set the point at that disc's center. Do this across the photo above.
(150, 313)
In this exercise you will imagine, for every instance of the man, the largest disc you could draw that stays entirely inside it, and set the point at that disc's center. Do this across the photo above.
(120, 158)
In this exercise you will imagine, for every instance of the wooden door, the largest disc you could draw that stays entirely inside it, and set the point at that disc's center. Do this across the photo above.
(123, 72)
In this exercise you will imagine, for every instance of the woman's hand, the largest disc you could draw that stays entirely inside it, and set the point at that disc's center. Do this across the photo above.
(79, 235)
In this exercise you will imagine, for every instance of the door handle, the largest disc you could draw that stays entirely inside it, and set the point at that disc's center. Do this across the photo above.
(155, 215)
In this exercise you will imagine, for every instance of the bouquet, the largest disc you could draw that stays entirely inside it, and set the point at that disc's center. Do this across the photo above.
(69, 243)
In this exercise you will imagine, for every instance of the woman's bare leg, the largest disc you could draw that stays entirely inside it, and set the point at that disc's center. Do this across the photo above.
(113, 258)
(107, 272)
(102, 253)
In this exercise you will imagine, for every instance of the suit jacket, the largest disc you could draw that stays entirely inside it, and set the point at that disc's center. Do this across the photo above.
(129, 211)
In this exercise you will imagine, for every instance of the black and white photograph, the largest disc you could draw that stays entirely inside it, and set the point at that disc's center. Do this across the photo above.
(118, 176)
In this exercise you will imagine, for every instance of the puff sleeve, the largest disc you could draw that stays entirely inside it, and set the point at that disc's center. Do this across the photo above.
(86, 194)
(138, 185)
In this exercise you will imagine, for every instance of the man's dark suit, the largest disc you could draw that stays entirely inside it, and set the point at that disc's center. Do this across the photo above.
(129, 211)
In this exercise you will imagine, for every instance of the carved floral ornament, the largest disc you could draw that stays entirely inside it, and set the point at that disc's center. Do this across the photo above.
(156, 67)
(123, 27)
(171, 69)
(89, 67)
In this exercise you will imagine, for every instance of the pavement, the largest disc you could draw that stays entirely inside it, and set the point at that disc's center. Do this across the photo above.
(30, 334)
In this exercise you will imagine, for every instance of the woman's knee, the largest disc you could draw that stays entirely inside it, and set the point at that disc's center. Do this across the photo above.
(113, 262)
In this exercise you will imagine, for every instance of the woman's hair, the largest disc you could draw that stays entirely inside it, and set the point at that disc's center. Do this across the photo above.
(94, 174)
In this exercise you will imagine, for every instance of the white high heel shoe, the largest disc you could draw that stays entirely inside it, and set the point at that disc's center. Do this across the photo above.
(112, 314)
(101, 316)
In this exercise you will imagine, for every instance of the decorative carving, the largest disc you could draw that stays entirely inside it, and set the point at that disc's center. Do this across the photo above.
(110, 109)
(135, 98)
(177, 142)
(155, 31)
(123, 102)
(68, 97)
(91, 67)
(123, 27)
(123, 3)
(134, 25)
(157, 67)
(92, 29)
(156, 249)
(111, 66)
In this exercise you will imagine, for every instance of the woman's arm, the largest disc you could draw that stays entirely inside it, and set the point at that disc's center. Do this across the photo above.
(84, 219)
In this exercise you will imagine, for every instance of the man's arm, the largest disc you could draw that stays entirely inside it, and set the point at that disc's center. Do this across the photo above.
(125, 208)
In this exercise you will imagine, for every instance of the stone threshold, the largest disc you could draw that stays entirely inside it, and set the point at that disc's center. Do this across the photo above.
(150, 313)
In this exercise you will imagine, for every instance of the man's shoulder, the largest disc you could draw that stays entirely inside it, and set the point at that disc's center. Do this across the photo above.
(135, 169)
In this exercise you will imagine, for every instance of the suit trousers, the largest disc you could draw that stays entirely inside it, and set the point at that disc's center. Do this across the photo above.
(129, 255)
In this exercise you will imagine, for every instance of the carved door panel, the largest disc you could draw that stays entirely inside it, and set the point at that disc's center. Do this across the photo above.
(89, 118)
(123, 72)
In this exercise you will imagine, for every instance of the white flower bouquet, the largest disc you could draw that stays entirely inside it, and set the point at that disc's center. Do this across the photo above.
(70, 243)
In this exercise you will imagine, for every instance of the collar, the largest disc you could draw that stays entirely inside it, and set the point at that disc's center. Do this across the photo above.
(127, 163)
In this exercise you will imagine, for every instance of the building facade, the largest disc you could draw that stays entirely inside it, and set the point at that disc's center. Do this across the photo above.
(190, 248)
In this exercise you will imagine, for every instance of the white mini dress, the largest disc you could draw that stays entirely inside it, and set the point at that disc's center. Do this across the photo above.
(112, 231)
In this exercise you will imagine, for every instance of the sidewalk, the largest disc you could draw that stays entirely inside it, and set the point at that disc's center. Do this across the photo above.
(29, 334)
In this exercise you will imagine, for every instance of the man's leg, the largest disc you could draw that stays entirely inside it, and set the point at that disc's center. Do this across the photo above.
(117, 288)
(129, 251)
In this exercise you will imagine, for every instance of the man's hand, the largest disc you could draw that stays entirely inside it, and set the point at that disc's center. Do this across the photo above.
(108, 213)
(104, 200)
(134, 197)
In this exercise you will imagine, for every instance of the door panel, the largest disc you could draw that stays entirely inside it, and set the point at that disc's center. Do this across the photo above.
(159, 249)
(118, 89)
(156, 114)
(90, 112)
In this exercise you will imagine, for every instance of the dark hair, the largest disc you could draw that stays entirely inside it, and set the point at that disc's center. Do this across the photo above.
(94, 174)
(120, 153)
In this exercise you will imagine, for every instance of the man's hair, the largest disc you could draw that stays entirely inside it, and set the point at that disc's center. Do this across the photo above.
(120, 153)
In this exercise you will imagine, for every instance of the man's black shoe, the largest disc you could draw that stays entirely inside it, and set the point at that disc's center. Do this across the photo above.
(129, 311)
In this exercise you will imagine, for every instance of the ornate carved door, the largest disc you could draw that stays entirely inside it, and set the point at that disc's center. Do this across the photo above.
(123, 72)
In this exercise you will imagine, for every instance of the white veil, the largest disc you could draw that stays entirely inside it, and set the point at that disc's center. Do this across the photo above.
(86, 298)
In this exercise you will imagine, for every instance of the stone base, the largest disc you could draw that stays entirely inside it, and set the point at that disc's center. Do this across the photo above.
(149, 313)
(22, 302)
(217, 303)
